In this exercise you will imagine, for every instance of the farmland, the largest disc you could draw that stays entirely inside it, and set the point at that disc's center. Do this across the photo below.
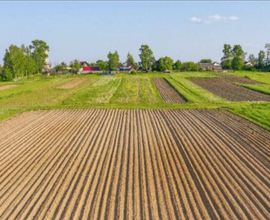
(139, 146)
(133, 164)
(168, 93)
(230, 91)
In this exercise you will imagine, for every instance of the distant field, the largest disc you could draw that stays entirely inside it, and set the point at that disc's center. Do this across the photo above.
(133, 164)
(125, 91)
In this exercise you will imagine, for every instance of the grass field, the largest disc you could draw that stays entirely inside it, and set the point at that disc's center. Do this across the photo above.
(126, 91)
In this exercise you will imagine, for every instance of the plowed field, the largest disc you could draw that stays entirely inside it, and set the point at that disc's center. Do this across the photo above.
(133, 164)
(167, 92)
(236, 79)
(229, 91)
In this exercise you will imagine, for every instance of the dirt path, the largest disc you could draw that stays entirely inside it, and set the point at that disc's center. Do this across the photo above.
(133, 164)
(7, 87)
(72, 84)
(167, 92)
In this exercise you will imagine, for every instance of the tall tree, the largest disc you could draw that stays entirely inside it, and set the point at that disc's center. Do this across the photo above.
(75, 64)
(40, 51)
(206, 61)
(14, 60)
(165, 63)
(261, 59)
(113, 60)
(178, 65)
(252, 59)
(130, 60)
(226, 60)
(267, 61)
(30, 64)
(238, 57)
(147, 58)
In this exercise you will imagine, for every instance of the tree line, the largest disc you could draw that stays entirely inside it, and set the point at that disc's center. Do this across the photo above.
(234, 58)
(24, 61)
(147, 62)
(28, 60)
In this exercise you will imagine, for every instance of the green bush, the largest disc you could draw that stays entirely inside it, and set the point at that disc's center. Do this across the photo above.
(6, 75)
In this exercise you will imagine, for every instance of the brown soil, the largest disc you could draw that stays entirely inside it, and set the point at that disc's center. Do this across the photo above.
(72, 83)
(229, 91)
(236, 79)
(133, 164)
(7, 87)
(168, 93)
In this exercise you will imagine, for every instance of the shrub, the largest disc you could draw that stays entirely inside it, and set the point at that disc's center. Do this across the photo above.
(6, 75)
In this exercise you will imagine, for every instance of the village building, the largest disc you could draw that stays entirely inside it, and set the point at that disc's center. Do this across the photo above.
(210, 66)
(89, 69)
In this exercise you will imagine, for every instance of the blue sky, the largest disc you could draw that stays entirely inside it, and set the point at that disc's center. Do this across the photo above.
(181, 30)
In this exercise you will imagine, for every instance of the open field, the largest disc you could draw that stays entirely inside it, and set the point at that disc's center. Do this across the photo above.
(125, 91)
(230, 91)
(168, 93)
(133, 164)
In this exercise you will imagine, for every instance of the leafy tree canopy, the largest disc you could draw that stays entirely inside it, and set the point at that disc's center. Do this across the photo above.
(165, 63)
(178, 65)
(206, 61)
(39, 52)
(147, 58)
(113, 60)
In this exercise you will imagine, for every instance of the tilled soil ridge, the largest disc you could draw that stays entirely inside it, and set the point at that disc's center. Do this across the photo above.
(229, 91)
(133, 164)
(167, 92)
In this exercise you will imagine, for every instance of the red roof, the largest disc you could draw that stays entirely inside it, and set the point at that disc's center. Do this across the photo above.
(90, 68)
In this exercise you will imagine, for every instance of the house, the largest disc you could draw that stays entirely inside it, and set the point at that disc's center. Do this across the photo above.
(89, 69)
(247, 63)
(210, 66)
(125, 69)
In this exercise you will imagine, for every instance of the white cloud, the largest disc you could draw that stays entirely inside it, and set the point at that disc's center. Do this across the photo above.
(197, 20)
(213, 19)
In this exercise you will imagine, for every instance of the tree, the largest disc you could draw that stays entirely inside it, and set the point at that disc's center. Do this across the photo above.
(30, 64)
(1, 68)
(252, 59)
(14, 60)
(113, 60)
(165, 63)
(238, 57)
(130, 61)
(39, 53)
(226, 60)
(190, 66)
(261, 59)
(206, 61)
(136, 66)
(147, 58)
(103, 65)
(267, 61)
(178, 65)
(6, 75)
(75, 64)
